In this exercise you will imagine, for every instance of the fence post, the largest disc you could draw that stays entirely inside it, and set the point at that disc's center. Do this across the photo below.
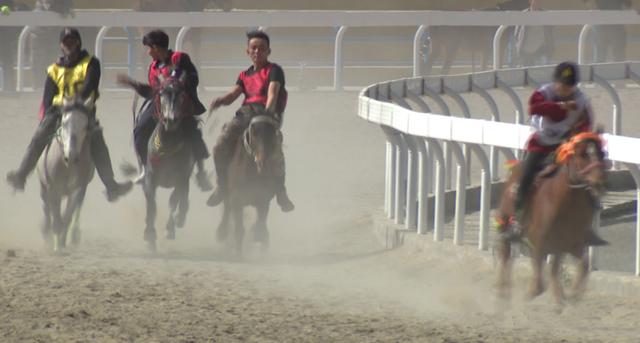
(181, 36)
(496, 46)
(338, 63)
(99, 42)
(417, 41)
(582, 42)
(22, 40)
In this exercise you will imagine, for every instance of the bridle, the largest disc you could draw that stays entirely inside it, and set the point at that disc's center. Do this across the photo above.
(248, 144)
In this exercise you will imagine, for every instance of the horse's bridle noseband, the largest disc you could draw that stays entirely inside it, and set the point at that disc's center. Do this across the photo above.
(263, 118)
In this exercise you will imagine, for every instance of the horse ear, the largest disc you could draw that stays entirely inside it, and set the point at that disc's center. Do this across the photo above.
(182, 78)
(66, 102)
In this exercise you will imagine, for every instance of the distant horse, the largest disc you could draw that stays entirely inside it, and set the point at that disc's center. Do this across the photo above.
(445, 42)
(559, 215)
(170, 159)
(251, 179)
(65, 169)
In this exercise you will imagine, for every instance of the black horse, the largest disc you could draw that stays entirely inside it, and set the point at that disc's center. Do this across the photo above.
(252, 179)
(170, 159)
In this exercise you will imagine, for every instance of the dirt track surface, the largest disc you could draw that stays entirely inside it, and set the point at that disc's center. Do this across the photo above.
(326, 278)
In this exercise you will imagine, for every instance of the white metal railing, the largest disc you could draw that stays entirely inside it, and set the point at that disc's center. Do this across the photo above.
(415, 140)
(342, 19)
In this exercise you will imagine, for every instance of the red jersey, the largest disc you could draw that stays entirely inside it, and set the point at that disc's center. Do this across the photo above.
(255, 85)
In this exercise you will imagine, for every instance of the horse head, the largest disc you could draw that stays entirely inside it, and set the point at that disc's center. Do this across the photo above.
(172, 102)
(74, 127)
(586, 161)
(262, 139)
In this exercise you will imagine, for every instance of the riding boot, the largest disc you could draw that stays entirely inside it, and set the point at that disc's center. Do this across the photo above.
(285, 203)
(200, 152)
(221, 164)
(202, 177)
(593, 239)
(222, 154)
(41, 138)
(102, 161)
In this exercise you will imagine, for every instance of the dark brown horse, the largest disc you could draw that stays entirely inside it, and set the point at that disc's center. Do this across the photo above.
(558, 216)
(251, 180)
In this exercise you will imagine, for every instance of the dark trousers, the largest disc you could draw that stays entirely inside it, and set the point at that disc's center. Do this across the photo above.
(43, 135)
(532, 163)
(146, 123)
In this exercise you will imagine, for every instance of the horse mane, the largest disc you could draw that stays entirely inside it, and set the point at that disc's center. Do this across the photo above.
(568, 149)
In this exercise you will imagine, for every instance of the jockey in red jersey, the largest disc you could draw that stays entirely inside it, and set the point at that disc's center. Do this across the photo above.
(75, 74)
(263, 88)
(168, 63)
(558, 111)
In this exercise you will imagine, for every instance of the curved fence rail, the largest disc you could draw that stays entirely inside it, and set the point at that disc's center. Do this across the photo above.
(418, 140)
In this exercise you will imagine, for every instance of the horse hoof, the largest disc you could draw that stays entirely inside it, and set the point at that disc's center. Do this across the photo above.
(264, 248)
(152, 246)
(75, 238)
(222, 234)
(180, 220)
(171, 235)
(260, 235)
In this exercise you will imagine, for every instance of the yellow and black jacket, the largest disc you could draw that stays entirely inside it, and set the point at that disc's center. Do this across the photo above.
(63, 79)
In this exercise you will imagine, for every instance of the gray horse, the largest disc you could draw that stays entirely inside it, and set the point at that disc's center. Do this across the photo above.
(170, 161)
(65, 170)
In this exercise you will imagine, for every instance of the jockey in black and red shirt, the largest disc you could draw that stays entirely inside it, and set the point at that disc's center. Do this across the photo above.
(263, 88)
(75, 75)
(167, 63)
(558, 111)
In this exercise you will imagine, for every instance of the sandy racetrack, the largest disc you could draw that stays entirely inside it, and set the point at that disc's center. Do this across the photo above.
(326, 279)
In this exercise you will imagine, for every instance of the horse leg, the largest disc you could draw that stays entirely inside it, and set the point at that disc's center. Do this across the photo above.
(504, 273)
(173, 206)
(579, 286)
(260, 231)
(57, 225)
(555, 282)
(75, 227)
(72, 214)
(536, 287)
(223, 227)
(183, 204)
(239, 228)
(450, 51)
(46, 221)
(150, 230)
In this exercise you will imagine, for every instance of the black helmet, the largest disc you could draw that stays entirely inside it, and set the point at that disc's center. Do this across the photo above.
(567, 73)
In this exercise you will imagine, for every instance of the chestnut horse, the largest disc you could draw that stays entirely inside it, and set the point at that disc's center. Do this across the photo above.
(558, 216)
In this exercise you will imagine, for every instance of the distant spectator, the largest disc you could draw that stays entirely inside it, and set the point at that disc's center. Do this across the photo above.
(534, 44)
(44, 40)
(611, 38)
(195, 34)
